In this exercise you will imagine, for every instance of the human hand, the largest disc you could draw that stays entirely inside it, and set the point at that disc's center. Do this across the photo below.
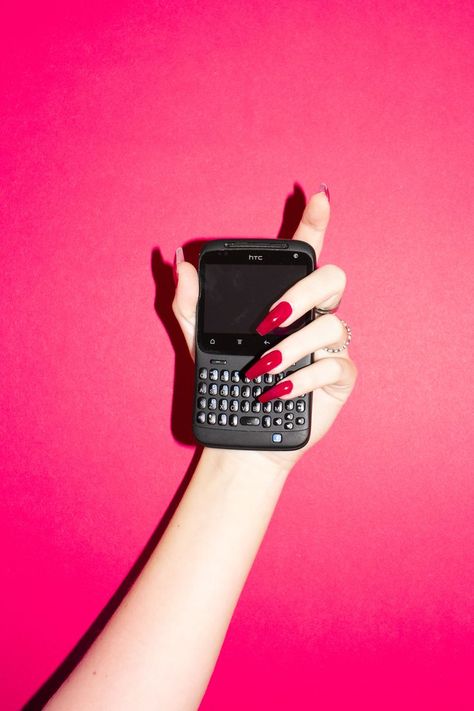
(332, 376)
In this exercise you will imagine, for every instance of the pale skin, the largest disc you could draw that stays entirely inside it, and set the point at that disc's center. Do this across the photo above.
(160, 647)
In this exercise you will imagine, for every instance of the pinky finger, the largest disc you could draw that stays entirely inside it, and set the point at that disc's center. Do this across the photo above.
(336, 376)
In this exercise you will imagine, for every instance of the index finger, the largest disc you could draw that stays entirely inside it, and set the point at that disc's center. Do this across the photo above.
(315, 219)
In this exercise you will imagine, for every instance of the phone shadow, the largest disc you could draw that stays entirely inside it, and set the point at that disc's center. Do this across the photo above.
(181, 427)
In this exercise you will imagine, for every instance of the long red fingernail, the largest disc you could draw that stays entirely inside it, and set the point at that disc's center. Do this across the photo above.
(323, 188)
(273, 319)
(178, 258)
(283, 388)
(266, 363)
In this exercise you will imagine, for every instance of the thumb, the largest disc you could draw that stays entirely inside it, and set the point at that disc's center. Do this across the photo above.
(185, 299)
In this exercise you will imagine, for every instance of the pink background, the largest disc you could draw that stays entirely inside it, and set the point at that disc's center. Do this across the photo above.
(131, 126)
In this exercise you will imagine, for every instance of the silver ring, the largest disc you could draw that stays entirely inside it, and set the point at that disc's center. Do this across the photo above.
(347, 341)
(320, 311)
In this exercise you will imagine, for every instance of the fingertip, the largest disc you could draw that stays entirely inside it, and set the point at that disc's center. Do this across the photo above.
(178, 259)
(323, 188)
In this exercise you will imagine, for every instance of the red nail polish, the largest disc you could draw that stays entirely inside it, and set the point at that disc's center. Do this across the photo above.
(283, 388)
(266, 363)
(274, 318)
(323, 188)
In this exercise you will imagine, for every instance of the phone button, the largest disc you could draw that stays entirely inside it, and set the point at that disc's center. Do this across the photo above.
(277, 437)
(252, 421)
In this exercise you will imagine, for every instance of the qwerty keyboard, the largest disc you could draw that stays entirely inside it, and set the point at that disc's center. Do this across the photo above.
(228, 399)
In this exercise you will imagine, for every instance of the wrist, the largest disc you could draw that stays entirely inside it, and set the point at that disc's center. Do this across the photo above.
(248, 463)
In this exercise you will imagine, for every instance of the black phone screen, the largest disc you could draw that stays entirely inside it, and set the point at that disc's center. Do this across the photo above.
(239, 295)
(236, 295)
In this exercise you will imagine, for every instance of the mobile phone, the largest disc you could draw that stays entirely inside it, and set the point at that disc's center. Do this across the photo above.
(239, 279)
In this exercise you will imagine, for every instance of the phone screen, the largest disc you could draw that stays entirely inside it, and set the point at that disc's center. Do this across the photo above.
(236, 295)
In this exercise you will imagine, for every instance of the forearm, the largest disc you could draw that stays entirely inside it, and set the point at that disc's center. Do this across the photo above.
(160, 647)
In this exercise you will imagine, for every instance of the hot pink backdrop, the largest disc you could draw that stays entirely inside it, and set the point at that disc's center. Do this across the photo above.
(134, 125)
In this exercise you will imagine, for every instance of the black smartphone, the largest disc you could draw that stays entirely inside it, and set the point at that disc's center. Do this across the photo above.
(239, 279)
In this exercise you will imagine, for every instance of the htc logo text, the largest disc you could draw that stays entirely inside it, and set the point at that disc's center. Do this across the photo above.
(252, 257)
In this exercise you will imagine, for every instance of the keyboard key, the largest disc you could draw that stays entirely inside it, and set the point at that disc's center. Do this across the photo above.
(258, 379)
(277, 421)
(212, 403)
(289, 416)
(279, 376)
(201, 417)
(222, 419)
(233, 419)
(202, 388)
(203, 374)
(277, 437)
(268, 378)
(223, 405)
(300, 406)
(250, 421)
(256, 391)
(245, 391)
(234, 406)
(225, 375)
(289, 425)
(300, 420)
(214, 374)
(256, 406)
(246, 380)
(211, 418)
(245, 406)
(213, 389)
(267, 406)
(278, 406)
(267, 421)
(234, 391)
(224, 390)
(289, 405)
(235, 377)
(201, 403)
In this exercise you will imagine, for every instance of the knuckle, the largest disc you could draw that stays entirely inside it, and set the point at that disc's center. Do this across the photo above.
(334, 326)
(337, 366)
(352, 368)
(338, 275)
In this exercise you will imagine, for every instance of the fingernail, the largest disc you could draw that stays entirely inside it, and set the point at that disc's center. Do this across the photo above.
(273, 319)
(178, 258)
(266, 363)
(283, 388)
(323, 188)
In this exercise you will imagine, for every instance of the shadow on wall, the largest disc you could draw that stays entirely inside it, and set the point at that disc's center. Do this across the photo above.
(181, 426)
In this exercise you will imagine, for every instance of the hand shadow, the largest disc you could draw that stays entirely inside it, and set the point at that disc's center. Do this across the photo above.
(181, 427)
